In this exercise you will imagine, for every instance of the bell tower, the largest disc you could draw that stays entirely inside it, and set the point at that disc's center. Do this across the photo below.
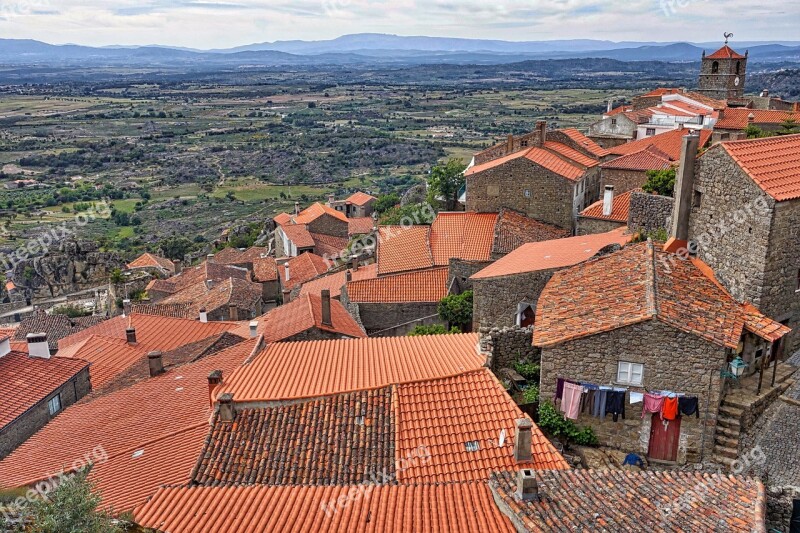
(722, 73)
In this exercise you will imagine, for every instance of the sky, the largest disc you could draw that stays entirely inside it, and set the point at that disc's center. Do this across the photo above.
(206, 24)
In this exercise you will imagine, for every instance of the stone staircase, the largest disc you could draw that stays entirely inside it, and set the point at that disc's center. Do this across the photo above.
(741, 407)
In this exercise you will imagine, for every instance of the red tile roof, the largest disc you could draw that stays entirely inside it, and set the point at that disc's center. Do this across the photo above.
(620, 207)
(265, 269)
(151, 433)
(407, 287)
(360, 225)
(584, 141)
(738, 118)
(468, 236)
(773, 163)
(542, 157)
(108, 357)
(299, 235)
(650, 158)
(360, 198)
(317, 368)
(403, 248)
(514, 229)
(243, 294)
(669, 143)
(202, 272)
(173, 310)
(571, 154)
(334, 282)
(147, 260)
(282, 218)
(619, 109)
(443, 415)
(316, 210)
(302, 268)
(303, 314)
(639, 283)
(25, 381)
(558, 253)
(235, 256)
(635, 501)
(384, 509)
(726, 52)
(328, 245)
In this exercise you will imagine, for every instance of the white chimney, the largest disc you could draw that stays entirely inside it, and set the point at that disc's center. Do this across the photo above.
(286, 271)
(608, 201)
(210, 257)
(126, 307)
(5, 346)
(37, 345)
(203, 315)
(209, 284)
(253, 329)
(610, 105)
(297, 208)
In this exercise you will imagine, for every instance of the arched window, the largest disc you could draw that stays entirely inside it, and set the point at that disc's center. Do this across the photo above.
(738, 67)
(526, 315)
(715, 67)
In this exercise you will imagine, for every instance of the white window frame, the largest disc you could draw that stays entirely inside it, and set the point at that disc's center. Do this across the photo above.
(51, 403)
(627, 373)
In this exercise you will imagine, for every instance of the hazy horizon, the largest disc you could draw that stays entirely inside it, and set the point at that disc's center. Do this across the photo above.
(209, 24)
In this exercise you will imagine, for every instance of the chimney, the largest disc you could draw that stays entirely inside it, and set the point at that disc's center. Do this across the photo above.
(178, 266)
(156, 364)
(541, 127)
(214, 379)
(522, 441)
(130, 335)
(326, 308)
(286, 276)
(608, 200)
(296, 208)
(610, 107)
(210, 258)
(37, 345)
(751, 118)
(287, 296)
(203, 315)
(253, 329)
(331, 199)
(227, 411)
(509, 144)
(209, 284)
(348, 276)
(233, 313)
(5, 346)
(126, 307)
(527, 487)
(684, 193)
(354, 263)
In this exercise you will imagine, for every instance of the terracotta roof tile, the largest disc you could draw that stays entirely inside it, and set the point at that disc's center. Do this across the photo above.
(555, 164)
(417, 286)
(344, 439)
(468, 236)
(316, 210)
(282, 218)
(164, 419)
(178, 310)
(585, 142)
(433, 414)
(388, 508)
(55, 325)
(360, 225)
(558, 253)
(403, 248)
(235, 256)
(328, 245)
(108, 357)
(265, 269)
(299, 235)
(726, 52)
(360, 198)
(772, 162)
(25, 381)
(302, 268)
(669, 143)
(514, 229)
(318, 368)
(735, 118)
(113, 327)
(334, 282)
(204, 271)
(650, 158)
(620, 207)
(151, 260)
(635, 501)
(571, 154)
(243, 294)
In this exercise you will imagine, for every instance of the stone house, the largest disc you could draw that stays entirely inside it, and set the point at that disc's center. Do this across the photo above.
(507, 291)
(152, 263)
(35, 388)
(605, 215)
(550, 176)
(629, 172)
(742, 203)
(230, 299)
(618, 126)
(317, 219)
(722, 74)
(357, 205)
(733, 122)
(635, 319)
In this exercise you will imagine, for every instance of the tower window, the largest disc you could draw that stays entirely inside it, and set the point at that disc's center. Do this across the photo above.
(698, 199)
(738, 66)
(715, 67)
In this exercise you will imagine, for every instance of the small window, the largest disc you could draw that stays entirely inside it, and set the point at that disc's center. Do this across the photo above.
(472, 446)
(738, 67)
(527, 193)
(360, 420)
(798, 280)
(698, 199)
(725, 137)
(715, 67)
(524, 143)
(630, 373)
(54, 404)
(650, 132)
(613, 122)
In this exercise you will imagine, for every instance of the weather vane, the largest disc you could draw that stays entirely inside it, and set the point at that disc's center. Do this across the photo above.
(727, 36)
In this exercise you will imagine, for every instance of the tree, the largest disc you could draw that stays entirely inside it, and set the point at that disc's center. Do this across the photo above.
(72, 506)
(660, 182)
(415, 213)
(386, 202)
(176, 247)
(445, 182)
(433, 329)
(789, 127)
(116, 276)
(754, 132)
(456, 309)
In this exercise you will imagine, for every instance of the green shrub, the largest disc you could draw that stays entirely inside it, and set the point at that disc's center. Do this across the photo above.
(528, 370)
(531, 394)
(435, 329)
(554, 423)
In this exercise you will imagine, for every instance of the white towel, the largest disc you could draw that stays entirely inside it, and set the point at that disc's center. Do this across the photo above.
(636, 397)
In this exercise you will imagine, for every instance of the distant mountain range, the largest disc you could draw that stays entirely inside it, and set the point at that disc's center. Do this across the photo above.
(369, 48)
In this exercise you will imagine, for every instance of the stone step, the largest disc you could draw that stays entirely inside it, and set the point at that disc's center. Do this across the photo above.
(728, 422)
(727, 442)
(731, 411)
(730, 432)
(721, 459)
(724, 451)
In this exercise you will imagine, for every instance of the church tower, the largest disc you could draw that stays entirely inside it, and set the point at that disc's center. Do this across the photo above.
(722, 73)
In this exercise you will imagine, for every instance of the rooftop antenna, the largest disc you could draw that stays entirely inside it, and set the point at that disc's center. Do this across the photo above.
(727, 36)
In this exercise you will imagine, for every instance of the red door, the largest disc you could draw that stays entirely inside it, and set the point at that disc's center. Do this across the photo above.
(664, 435)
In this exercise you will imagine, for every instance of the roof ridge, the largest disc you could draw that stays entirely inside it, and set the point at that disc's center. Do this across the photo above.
(651, 291)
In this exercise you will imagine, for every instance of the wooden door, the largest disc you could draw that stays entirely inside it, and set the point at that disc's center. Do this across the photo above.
(664, 437)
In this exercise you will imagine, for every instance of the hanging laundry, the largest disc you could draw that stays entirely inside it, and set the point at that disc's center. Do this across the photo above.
(599, 404)
(636, 397)
(559, 388)
(571, 401)
(615, 404)
(689, 406)
(669, 411)
(652, 403)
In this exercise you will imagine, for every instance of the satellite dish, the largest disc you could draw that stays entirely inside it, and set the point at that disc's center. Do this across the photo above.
(502, 440)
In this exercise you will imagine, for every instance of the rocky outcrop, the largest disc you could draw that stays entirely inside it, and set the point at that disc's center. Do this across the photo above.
(73, 266)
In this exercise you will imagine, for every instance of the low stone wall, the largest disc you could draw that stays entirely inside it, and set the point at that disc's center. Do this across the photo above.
(12, 306)
(507, 345)
(592, 226)
(650, 212)
(780, 504)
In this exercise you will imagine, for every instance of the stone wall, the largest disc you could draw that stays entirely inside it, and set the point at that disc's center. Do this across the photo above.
(549, 196)
(623, 180)
(780, 504)
(313, 334)
(591, 226)
(461, 271)
(328, 225)
(377, 317)
(673, 360)
(504, 346)
(650, 212)
(495, 300)
(605, 130)
(721, 84)
(517, 143)
(37, 416)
